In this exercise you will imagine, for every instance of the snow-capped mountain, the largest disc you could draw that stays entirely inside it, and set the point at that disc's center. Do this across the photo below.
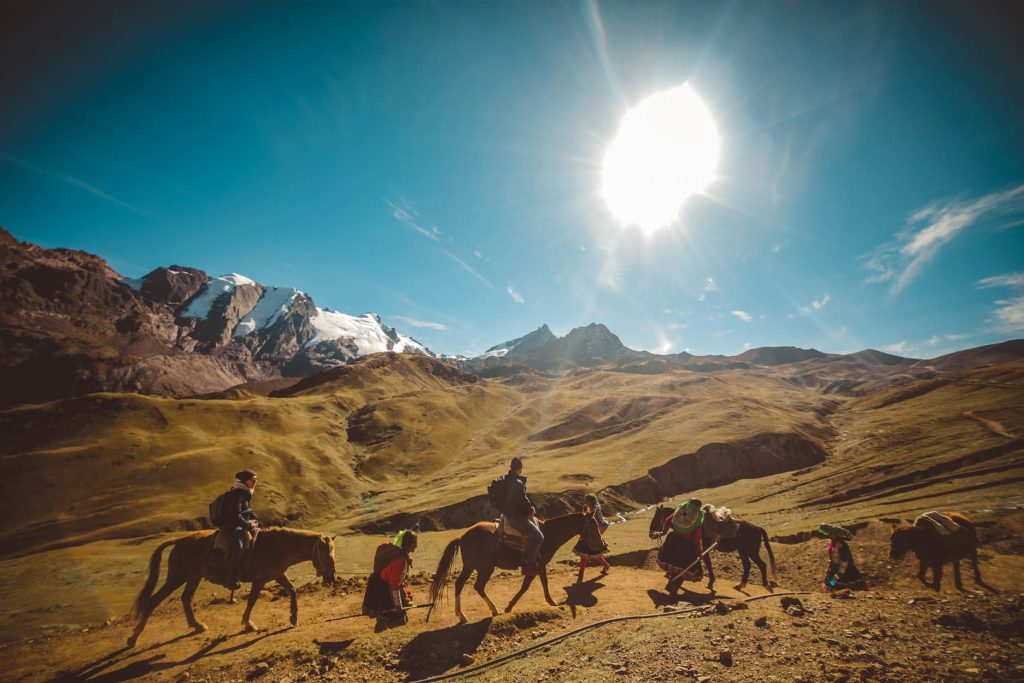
(69, 324)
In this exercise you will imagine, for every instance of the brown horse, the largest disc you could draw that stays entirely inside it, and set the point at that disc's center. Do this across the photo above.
(747, 542)
(275, 550)
(933, 550)
(482, 552)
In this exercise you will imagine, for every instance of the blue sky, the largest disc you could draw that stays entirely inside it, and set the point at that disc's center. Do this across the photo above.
(439, 164)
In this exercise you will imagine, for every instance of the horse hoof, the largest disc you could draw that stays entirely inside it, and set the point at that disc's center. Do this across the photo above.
(294, 621)
(199, 628)
(251, 628)
(132, 641)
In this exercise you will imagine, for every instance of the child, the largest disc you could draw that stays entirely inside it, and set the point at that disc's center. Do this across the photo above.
(591, 547)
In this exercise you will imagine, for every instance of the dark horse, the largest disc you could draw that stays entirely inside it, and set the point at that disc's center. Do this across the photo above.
(746, 542)
(275, 550)
(482, 552)
(933, 550)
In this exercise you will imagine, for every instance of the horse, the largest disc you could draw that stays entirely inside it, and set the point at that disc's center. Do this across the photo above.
(274, 551)
(934, 550)
(481, 552)
(747, 542)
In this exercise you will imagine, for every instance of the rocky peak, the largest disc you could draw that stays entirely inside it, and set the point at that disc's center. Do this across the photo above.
(534, 340)
(594, 340)
(174, 285)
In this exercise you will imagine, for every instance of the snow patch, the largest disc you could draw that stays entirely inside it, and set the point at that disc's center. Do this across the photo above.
(215, 287)
(366, 332)
(275, 302)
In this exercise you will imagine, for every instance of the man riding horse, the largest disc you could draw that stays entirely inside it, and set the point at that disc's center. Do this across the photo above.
(519, 511)
(237, 518)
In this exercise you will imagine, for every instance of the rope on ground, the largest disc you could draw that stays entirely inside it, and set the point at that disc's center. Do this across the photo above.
(586, 627)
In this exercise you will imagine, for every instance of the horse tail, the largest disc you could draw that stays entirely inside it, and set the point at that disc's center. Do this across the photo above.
(771, 555)
(154, 573)
(443, 573)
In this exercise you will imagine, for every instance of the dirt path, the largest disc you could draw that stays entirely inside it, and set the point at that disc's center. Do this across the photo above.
(991, 425)
(897, 631)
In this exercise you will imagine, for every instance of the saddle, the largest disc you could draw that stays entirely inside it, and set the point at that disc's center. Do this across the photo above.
(220, 542)
(216, 558)
(509, 536)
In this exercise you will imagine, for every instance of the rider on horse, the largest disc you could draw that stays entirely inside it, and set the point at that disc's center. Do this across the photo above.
(519, 512)
(237, 517)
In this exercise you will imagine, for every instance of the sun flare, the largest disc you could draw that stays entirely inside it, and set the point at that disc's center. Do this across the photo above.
(666, 149)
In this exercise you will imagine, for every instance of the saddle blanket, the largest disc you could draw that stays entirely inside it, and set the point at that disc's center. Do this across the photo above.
(220, 542)
(938, 522)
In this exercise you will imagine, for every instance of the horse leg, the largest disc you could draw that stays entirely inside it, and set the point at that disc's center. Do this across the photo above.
(543, 574)
(956, 574)
(527, 580)
(171, 585)
(764, 571)
(711, 572)
(460, 583)
(290, 587)
(746, 572)
(974, 563)
(254, 595)
(921, 569)
(482, 577)
(186, 601)
(937, 576)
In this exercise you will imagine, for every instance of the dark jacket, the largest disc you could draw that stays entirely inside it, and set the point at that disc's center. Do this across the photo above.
(237, 510)
(516, 500)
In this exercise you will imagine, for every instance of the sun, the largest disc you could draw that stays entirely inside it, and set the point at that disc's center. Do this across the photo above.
(666, 149)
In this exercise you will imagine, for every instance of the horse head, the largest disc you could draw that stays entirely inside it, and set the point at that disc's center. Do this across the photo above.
(660, 513)
(323, 558)
(904, 539)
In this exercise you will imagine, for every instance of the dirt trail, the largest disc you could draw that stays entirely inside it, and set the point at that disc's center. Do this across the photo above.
(898, 630)
(991, 425)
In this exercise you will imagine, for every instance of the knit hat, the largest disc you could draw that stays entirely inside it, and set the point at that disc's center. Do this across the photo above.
(245, 475)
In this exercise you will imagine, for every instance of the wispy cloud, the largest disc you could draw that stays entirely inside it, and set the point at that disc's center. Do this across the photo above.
(929, 229)
(815, 305)
(1008, 316)
(74, 182)
(413, 322)
(516, 296)
(405, 213)
(899, 348)
(742, 315)
(468, 268)
(709, 285)
(1007, 280)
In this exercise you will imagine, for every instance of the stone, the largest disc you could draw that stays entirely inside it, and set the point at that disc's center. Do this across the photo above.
(761, 622)
(725, 657)
(467, 659)
(261, 669)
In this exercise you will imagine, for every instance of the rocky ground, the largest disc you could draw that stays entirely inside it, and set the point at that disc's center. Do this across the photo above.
(897, 630)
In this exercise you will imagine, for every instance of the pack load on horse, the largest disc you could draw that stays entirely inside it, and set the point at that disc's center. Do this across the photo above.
(937, 538)
(275, 550)
(386, 597)
(683, 546)
(726, 533)
(842, 571)
(234, 517)
(591, 547)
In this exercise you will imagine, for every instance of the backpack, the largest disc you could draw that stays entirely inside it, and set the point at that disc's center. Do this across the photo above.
(216, 509)
(496, 493)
